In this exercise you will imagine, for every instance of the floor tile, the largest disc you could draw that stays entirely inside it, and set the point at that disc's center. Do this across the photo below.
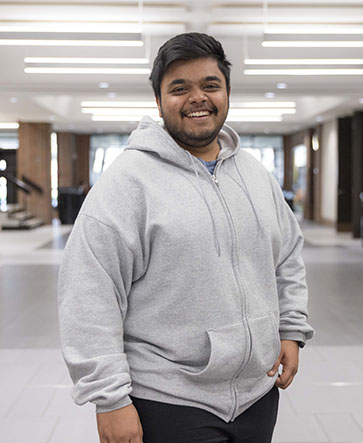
(341, 353)
(32, 402)
(76, 430)
(340, 428)
(285, 407)
(40, 356)
(27, 430)
(9, 355)
(326, 373)
(311, 353)
(9, 395)
(49, 375)
(325, 399)
(62, 405)
(17, 375)
(302, 429)
(358, 418)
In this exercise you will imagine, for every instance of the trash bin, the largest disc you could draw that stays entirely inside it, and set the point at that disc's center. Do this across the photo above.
(289, 197)
(69, 203)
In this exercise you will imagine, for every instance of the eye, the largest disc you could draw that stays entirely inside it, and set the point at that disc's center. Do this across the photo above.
(178, 90)
(212, 86)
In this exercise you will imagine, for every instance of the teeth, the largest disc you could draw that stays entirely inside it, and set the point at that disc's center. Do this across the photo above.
(198, 114)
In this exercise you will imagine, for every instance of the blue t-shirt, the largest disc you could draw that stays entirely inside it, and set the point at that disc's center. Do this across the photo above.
(209, 165)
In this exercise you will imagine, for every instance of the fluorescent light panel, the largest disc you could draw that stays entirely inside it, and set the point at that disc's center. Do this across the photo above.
(152, 104)
(151, 112)
(269, 104)
(307, 30)
(11, 42)
(86, 60)
(262, 118)
(312, 40)
(74, 27)
(29, 38)
(33, 70)
(9, 125)
(303, 71)
(121, 111)
(312, 44)
(305, 61)
(105, 118)
(118, 104)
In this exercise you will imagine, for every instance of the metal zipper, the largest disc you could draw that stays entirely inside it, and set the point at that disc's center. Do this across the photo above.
(239, 284)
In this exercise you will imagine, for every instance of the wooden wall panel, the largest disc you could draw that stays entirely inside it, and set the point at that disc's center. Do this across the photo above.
(82, 149)
(33, 161)
(66, 159)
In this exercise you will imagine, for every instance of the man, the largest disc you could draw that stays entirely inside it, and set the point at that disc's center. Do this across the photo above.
(182, 281)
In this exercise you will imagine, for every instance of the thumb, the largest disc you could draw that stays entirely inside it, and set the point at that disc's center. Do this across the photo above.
(274, 368)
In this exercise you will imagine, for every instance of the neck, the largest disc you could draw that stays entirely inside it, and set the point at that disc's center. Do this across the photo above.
(207, 153)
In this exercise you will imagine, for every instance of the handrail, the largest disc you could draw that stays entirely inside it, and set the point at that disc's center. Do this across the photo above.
(17, 182)
(33, 185)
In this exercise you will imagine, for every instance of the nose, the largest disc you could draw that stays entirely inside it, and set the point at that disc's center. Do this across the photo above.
(197, 95)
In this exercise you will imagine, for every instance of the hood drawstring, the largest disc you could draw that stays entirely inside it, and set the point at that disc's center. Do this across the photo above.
(216, 240)
(243, 186)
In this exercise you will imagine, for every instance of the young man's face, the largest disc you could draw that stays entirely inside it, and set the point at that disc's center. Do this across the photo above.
(194, 101)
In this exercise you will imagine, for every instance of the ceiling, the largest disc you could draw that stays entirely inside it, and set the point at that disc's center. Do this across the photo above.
(239, 25)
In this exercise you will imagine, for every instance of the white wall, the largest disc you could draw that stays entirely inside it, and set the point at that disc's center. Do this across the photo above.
(329, 171)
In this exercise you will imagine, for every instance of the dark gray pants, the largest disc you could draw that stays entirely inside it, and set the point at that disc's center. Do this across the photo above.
(167, 423)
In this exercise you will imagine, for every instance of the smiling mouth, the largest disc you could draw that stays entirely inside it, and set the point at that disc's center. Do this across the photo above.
(198, 114)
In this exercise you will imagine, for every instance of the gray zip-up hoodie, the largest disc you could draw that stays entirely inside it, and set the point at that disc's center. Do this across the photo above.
(178, 285)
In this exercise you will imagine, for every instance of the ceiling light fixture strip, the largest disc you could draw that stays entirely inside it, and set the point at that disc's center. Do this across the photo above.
(149, 111)
(305, 62)
(152, 104)
(311, 72)
(84, 61)
(83, 70)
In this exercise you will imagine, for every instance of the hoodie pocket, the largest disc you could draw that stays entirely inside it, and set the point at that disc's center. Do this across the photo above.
(265, 345)
(227, 353)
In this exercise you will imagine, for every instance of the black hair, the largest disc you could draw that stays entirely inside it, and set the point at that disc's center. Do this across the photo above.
(191, 45)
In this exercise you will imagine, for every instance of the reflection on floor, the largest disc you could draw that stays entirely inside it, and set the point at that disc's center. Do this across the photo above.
(324, 404)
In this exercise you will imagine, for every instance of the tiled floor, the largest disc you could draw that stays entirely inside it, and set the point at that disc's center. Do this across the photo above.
(324, 404)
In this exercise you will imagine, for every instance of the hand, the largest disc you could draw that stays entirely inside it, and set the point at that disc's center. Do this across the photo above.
(120, 426)
(289, 359)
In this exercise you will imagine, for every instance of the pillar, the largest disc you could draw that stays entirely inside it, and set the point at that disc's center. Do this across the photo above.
(357, 170)
(33, 162)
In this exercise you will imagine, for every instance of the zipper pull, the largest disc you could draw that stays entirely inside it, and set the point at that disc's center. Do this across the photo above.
(215, 179)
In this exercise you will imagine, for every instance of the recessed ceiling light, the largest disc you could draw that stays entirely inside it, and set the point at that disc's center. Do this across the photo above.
(281, 85)
(361, 100)
(270, 95)
(103, 85)
(13, 99)
(9, 125)
(111, 94)
(51, 118)
(319, 118)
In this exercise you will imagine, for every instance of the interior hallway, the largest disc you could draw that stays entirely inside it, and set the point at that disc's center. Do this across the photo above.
(323, 405)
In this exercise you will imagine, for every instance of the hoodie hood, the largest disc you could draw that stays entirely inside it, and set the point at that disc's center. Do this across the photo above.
(152, 137)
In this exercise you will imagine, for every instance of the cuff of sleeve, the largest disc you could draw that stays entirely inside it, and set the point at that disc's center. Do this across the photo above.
(125, 401)
(299, 337)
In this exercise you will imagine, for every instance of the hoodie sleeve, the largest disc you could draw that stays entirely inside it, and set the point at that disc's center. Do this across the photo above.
(94, 281)
(290, 274)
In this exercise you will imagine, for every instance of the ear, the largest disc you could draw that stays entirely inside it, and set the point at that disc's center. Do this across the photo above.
(158, 102)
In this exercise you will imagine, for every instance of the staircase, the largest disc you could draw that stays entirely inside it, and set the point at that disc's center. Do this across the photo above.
(16, 218)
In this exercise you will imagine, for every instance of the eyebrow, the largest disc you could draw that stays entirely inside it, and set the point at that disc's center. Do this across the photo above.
(181, 81)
